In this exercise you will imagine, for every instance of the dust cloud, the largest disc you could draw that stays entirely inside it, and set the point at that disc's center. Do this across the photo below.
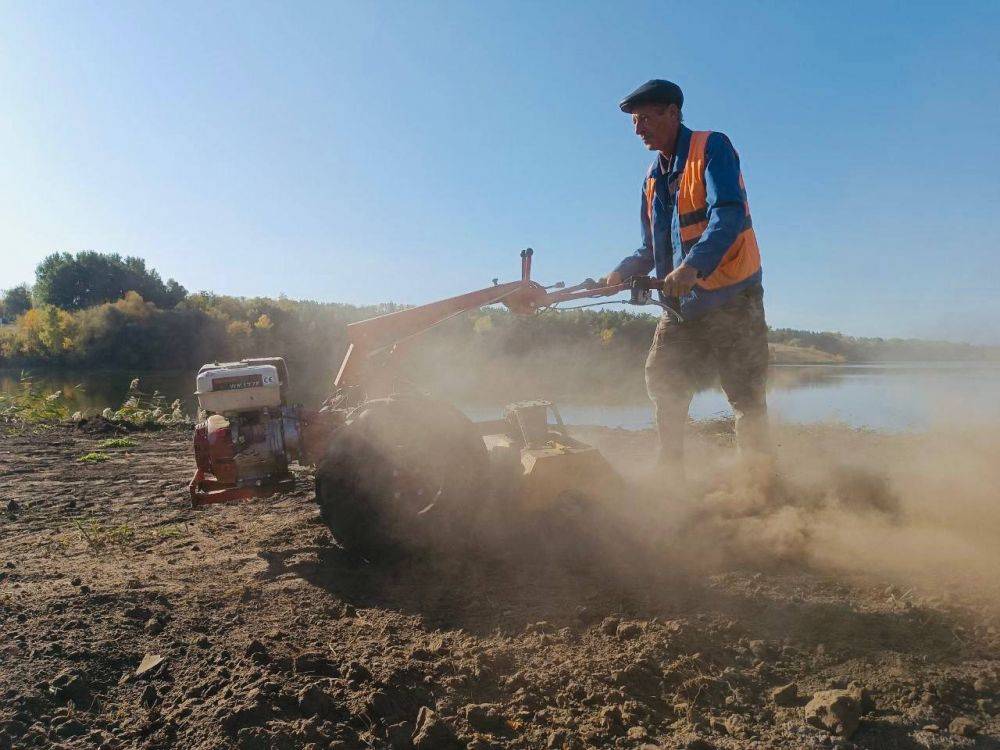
(917, 510)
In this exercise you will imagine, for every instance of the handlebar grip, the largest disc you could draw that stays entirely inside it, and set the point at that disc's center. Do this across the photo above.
(644, 283)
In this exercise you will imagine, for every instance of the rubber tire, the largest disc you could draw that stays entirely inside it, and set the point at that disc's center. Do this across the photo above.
(368, 483)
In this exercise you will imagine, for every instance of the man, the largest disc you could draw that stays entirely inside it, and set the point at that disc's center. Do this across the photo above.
(697, 235)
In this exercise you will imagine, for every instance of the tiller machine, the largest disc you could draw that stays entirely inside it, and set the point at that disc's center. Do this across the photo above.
(397, 468)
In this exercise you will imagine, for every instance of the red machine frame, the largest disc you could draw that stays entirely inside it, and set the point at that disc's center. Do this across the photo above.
(392, 332)
(390, 335)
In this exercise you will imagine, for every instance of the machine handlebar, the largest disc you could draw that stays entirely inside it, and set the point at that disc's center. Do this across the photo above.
(641, 290)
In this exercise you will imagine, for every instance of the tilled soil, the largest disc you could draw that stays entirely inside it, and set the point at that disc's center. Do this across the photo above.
(127, 619)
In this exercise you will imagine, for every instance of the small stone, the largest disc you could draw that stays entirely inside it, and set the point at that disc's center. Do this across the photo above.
(963, 726)
(931, 728)
(636, 733)
(76, 581)
(786, 695)
(556, 740)
(609, 625)
(149, 662)
(154, 626)
(760, 649)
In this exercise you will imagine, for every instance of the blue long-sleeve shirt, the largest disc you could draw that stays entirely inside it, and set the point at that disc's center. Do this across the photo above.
(726, 213)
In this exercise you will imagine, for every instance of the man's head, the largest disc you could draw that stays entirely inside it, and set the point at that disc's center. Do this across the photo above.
(656, 113)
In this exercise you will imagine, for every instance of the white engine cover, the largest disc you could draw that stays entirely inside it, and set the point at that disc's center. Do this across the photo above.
(238, 386)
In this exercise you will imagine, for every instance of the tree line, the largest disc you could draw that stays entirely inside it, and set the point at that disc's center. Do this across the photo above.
(96, 310)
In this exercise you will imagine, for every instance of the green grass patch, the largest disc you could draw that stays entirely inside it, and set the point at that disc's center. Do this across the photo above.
(99, 537)
(118, 442)
(94, 457)
(173, 531)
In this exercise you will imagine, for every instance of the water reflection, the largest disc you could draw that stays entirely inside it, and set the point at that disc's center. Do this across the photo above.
(897, 396)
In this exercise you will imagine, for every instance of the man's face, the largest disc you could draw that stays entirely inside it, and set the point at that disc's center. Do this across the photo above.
(656, 125)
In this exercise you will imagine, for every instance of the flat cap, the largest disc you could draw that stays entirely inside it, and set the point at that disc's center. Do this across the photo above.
(656, 91)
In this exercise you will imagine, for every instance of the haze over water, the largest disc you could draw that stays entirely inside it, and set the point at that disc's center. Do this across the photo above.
(893, 397)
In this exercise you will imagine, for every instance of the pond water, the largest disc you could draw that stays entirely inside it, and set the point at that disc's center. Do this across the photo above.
(893, 397)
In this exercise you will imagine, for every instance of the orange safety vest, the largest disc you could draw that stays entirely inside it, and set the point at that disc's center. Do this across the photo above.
(742, 259)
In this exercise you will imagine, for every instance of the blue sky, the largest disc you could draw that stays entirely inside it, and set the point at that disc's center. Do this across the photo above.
(364, 152)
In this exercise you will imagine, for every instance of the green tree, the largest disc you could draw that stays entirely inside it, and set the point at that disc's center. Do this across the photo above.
(91, 278)
(16, 301)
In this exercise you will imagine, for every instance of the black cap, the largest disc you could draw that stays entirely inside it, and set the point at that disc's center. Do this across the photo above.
(656, 91)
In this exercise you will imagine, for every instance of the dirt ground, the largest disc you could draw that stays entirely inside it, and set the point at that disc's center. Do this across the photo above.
(127, 619)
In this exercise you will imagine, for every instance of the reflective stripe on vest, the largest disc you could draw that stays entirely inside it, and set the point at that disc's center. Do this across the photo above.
(650, 197)
(742, 259)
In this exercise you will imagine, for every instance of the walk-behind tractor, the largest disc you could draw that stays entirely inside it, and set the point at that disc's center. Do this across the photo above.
(394, 467)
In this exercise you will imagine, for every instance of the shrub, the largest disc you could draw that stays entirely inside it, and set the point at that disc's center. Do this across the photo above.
(28, 404)
(146, 410)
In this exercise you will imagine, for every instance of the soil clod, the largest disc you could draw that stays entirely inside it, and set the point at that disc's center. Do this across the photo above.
(710, 648)
(837, 711)
(786, 695)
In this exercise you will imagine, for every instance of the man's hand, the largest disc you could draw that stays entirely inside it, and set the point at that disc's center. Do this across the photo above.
(679, 281)
(612, 279)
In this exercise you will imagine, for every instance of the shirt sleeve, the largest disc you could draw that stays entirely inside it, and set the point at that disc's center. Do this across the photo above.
(640, 262)
(726, 208)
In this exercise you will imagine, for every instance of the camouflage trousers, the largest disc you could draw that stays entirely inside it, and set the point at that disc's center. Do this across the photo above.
(728, 343)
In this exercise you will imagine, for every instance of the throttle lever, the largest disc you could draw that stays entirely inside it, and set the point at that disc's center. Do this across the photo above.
(641, 288)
